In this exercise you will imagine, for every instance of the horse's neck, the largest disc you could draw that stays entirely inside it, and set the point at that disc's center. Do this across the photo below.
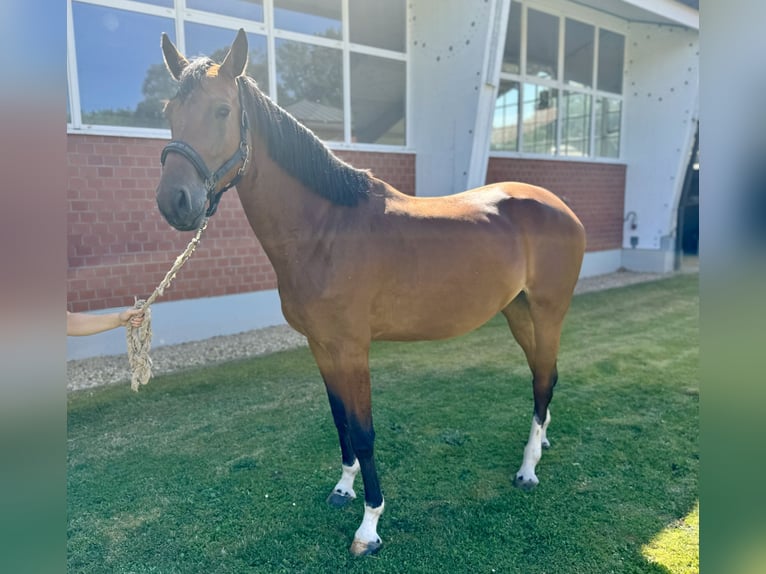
(283, 214)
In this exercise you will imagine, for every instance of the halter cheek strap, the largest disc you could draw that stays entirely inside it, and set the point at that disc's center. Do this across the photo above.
(212, 179)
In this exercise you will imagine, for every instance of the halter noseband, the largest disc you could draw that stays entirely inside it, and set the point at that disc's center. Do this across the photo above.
(211, 179)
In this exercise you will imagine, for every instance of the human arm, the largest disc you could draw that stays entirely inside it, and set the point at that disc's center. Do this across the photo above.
(78, 324)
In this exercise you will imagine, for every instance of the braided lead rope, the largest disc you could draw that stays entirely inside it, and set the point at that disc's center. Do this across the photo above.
(139, 339)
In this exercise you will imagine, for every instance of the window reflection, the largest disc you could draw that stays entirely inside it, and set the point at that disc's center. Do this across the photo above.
(505, 121)
(542, 44)
(539, 112)
(578, 54)
(122, 78)
(249, 9)
(611, 54)
(575, 124)
(314, 17)
(310, 86)
(215, 42)
(512, 50)
(379, 24)
(558, 92)
(377, 100)
(608, 123)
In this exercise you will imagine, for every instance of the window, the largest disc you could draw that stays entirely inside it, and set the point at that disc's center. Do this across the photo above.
(378, 24)
(578, 54)
(542, 44)
(608, 118)
(571, 107)
(377, 100)
(122, 77)
(512, 50)
(310, 86)
(539, 113)
(575, 124)
(214, 42)
(611, 53)
(505, 122)
(119, 84)
(315, 17)
(247, 9)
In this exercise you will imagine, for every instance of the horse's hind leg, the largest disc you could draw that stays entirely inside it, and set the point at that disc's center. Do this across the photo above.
(536, 326)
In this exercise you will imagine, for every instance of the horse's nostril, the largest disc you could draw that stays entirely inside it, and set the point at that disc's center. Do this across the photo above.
(183, 200)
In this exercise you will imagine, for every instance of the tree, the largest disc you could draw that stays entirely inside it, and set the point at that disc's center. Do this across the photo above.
(311, 73)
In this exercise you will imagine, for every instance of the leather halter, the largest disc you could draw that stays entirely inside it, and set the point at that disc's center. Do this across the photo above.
(212, 179)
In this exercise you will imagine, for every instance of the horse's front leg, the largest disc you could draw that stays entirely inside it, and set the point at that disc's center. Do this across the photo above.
(347, 377)
(343, 493)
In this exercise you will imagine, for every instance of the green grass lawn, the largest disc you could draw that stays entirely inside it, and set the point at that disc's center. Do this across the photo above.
(227, 468)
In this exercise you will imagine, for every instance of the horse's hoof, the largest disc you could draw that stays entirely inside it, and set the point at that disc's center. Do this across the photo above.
(546, 444)
(362, 548)
(525, 483)
(339, 499)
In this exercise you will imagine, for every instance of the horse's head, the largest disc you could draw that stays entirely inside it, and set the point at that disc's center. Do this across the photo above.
(209, 148)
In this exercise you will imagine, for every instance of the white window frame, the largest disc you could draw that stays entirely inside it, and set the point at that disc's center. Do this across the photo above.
(181, 14)
(598, 20)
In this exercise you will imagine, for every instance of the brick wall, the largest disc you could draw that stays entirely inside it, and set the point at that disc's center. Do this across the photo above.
(594, 191)
(119, 246)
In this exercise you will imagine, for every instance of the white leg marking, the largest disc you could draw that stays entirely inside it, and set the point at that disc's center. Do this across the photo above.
(345, 486)
(366, 539)
(532, 453)
(545, 442)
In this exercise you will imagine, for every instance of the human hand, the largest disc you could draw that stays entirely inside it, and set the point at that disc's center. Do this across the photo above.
(133, 316)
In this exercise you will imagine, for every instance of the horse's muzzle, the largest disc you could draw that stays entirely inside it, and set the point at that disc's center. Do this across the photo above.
(181, 206)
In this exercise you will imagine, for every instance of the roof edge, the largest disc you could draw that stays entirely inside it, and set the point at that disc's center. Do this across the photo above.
(670, 9)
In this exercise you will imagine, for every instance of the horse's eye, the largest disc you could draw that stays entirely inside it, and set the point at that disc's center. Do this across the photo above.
(223, 112)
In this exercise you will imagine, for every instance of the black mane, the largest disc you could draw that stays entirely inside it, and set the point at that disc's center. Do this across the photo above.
(299, 152)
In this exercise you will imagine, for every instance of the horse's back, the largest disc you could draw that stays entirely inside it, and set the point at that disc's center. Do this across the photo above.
(514, 194)
(481, 203)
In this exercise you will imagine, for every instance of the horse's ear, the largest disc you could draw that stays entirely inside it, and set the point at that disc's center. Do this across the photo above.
(174, 61)
(235, 61)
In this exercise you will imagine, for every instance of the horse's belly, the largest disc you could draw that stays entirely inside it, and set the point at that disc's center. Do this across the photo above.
(431, 318)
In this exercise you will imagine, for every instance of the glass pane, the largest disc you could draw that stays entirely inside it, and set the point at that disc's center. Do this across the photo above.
(215, 42)
(123, 80)
(608, 122)
(611, 54)
(167, 3)
(575, 124)
(505, 121)
(310, 86)
(315, 17)
(539, 112)
(578, 54)
(512, 51)
(378, 88)
(542, 44)
(379, 24)
(248, 9)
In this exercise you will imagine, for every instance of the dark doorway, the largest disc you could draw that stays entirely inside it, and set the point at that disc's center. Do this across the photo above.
(688, 230)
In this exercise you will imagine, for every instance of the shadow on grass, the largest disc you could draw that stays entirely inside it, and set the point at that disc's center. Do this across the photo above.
(226, 469)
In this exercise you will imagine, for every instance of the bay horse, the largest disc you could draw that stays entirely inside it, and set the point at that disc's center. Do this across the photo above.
(356, 260)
